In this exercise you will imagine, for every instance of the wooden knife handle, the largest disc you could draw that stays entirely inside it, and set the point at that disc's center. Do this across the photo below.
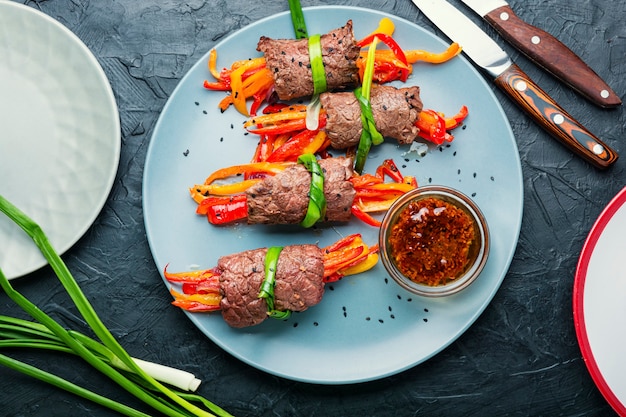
(548, 52)
(549, 115)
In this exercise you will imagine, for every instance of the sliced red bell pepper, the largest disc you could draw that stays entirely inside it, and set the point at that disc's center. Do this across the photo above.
(457, 119)
(364, 217)
(290, 126)
(432, 126)
(389, 168)
(208, 286)
(342, 243)
(274, 108)
(395, 48)
(229, 210)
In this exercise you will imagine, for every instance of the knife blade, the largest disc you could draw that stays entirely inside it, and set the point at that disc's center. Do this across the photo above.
(486, 54)
(546, 51)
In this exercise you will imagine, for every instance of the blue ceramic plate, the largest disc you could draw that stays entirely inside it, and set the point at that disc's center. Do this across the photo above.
(366, 327)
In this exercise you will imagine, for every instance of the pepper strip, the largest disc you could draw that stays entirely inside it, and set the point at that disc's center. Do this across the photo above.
(317, 200)
(269, 282)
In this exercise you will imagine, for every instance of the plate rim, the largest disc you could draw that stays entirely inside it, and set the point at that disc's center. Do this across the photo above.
(580, 279)
(509, 256)
(111, 105)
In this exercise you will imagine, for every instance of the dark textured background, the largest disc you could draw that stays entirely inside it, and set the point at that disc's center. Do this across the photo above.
(520, 358)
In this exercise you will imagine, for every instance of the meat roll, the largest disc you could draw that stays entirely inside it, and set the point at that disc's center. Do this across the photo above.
(289, 62)
(283, 198)
(299, 283)
(395, 112)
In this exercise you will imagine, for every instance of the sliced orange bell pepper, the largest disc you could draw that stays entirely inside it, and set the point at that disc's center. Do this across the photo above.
(415, 55)
(255, 167)
(196, 302)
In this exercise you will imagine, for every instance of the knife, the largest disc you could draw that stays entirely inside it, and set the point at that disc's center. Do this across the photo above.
(486, 54)
(546, 51)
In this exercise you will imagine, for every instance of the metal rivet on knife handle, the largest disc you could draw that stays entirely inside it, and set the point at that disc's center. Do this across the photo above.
(551, 54)
(554, 119)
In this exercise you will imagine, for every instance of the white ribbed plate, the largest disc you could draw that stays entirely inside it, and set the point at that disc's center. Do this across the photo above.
(59, 134)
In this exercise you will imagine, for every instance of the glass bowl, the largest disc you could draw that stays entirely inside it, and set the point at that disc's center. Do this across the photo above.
(434, 241)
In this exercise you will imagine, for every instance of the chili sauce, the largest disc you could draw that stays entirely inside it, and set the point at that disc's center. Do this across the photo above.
(431, 241)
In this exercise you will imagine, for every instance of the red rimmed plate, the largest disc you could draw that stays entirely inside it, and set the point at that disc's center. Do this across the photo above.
(600, 302)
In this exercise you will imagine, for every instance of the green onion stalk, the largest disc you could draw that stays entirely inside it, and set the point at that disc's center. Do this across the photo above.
(297, 18)
(108, 357)
(269, 282)
(369, 134)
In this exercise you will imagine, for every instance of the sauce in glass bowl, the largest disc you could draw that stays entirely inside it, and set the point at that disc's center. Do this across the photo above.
(434, 241)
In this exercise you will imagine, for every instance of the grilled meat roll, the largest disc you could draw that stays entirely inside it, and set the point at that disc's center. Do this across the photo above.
(290, 65)
(284, 199)
(395, 112)
(299, 283)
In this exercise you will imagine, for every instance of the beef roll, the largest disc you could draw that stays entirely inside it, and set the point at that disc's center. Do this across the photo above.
(283, 198)
(395, 112)
(289, 62)
(299, 283)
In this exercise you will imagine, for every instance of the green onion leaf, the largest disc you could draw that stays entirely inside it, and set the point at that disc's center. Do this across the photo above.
(269, 282)
(297, 19)
(369, 134)
(317, 64)
(317, 200)
(313, 113)
(170, 403)
(367, 118)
